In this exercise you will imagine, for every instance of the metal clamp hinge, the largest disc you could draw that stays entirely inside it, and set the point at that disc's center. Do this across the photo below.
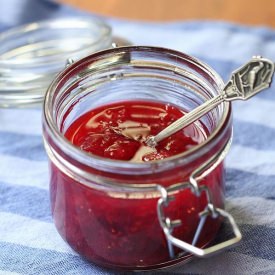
(210, 210)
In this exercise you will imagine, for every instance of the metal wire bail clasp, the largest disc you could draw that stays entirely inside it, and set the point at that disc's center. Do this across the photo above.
(210, 210)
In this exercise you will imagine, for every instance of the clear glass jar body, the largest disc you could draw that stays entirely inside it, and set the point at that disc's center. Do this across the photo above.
(107, 210)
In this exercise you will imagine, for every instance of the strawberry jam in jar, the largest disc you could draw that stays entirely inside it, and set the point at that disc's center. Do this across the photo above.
(116, 201)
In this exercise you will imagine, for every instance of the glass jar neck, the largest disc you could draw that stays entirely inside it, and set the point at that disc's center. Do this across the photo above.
(139, 72)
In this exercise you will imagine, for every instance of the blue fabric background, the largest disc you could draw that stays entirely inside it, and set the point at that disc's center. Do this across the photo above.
(29, 243)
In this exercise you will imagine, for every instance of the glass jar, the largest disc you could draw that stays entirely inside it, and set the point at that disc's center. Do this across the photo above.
(32, 54)
(137, 216)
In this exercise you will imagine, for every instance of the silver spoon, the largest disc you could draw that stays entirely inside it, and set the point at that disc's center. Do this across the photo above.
(245, 82)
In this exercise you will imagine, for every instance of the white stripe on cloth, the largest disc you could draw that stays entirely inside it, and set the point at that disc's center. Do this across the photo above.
(24, 172)
(25, 231)
(4, 272)
(251, 160)
(256, 110)
(245, 212)
(23, 121)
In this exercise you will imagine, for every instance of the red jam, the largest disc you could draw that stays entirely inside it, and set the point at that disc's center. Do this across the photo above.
(118, 131)
(120, 229)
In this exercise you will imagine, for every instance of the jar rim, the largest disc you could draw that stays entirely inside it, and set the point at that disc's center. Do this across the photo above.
(129, 167)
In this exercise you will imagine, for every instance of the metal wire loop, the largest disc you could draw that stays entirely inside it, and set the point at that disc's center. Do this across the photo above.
(209, 211)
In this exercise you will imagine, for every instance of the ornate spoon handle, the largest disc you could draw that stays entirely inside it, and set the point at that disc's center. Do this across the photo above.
(245, 82)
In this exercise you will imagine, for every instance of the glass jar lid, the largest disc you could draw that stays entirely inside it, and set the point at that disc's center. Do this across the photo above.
(32, 54)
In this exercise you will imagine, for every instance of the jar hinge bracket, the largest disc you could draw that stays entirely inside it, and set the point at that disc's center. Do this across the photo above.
(168, 225)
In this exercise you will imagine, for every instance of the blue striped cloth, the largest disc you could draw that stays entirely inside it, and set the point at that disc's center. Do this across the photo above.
(29, 243)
